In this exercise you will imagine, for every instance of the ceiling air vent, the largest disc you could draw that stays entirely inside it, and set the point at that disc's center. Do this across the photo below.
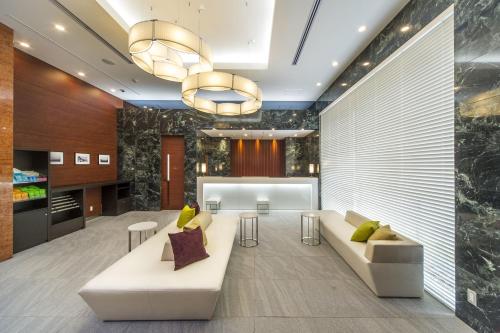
(90, 30)
(305, 33)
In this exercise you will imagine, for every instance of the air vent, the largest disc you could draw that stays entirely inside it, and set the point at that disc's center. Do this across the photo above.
(305, 33)
(90, 30)
(107, 62)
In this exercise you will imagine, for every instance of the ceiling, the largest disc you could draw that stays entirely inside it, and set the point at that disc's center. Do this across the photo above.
(257, 134)
(230, 26)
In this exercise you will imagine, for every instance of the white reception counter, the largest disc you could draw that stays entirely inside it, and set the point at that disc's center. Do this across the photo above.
(242, 193)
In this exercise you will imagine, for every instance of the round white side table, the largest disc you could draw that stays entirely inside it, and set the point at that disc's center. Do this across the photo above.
(140, 228)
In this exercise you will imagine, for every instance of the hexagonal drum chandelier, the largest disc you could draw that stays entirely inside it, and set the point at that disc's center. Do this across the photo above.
(220, 81)
(155, 47)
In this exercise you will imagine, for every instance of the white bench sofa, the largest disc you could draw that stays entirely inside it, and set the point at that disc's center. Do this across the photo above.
(389, 268)
(140, 286)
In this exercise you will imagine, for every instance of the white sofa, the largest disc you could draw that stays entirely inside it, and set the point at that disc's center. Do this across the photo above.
(389, 268)
(140, 286)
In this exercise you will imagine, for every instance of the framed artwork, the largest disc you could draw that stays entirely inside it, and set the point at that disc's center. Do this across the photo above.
(56, 157)
(104, 159)
(82, 159)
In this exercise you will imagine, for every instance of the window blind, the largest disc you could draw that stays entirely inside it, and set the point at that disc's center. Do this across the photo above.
(387, 150)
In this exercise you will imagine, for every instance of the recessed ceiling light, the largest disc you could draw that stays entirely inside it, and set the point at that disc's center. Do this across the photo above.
(81, 73)
(344, 84)
(59, 27)
(335, 64)
(112, 90)
(362, 28)
(24, 44)
(366, 63)
(318, 84)
(405, 28)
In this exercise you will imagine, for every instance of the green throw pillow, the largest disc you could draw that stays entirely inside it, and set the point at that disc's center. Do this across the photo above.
(185, 216)
(364, 231)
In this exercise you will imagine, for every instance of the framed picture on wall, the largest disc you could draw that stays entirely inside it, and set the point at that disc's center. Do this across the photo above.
(104, 159)
(56, 157)
(82, 159)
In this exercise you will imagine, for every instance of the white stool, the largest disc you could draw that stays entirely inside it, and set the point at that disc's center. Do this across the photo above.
(140, 228)
(263, 207)
(253, 240)
(311, 221)
(212, 205)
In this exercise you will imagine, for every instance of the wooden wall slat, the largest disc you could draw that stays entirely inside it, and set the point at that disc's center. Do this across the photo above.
(258, 158)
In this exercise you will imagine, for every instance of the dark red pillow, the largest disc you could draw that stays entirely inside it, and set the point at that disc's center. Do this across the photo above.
(196, 207)
(187, 247)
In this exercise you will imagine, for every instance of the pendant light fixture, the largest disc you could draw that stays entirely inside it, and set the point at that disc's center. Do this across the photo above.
(221, 81)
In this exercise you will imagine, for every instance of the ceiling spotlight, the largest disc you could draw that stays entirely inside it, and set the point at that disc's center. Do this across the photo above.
(24, 44)
(366, 64)
(113, 90)
(82, 74)
(335, 64)
(59, 27)
(344, 84)
(318, 84)
(405, 28)
(362, 28)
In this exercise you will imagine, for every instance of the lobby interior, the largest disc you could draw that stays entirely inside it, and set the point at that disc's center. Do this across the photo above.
(249, 166)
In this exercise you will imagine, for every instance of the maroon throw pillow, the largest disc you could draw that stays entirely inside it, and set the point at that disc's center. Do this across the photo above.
(196, 207)
(187, 247)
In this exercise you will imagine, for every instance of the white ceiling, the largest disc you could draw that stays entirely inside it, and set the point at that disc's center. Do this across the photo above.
(334, 36)
(258, 134)
(245, 45)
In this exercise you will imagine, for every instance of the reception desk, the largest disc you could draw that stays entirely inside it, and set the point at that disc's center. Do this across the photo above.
(242, 193)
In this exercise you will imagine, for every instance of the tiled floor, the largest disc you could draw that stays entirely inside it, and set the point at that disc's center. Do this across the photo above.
(279, 286)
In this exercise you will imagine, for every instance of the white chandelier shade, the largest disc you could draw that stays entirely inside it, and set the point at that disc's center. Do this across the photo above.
(220, 81)
(155, 45)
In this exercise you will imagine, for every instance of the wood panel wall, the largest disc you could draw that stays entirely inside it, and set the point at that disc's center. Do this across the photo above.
(258, 158)
(6, 134)
(56, 111)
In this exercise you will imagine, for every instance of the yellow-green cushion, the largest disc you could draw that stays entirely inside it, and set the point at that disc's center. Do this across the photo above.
(383, 233)
(185, 216)
(364, 231)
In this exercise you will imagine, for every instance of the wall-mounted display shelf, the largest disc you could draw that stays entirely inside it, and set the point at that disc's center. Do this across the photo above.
(31, 198)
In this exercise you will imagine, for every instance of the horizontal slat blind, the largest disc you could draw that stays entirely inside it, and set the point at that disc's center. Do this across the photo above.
(387, 152)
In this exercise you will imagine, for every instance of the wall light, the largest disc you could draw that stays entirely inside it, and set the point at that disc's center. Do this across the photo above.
(362, 28)
(24, 44)
(311, 168)
(335, 64)
(344, 84)
(366, 64)
(203, 168)
(405, 28)
(82, 74)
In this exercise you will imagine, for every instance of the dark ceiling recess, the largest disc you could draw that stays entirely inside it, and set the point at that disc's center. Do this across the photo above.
(305, 33)
(90, 30)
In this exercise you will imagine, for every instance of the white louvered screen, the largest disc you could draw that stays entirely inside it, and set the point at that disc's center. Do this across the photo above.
(387, 150)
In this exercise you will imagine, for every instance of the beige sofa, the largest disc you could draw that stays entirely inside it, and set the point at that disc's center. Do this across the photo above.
(140, 286)
(389, 268)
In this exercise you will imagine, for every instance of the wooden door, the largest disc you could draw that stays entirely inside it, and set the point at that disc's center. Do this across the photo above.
(172, 172)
